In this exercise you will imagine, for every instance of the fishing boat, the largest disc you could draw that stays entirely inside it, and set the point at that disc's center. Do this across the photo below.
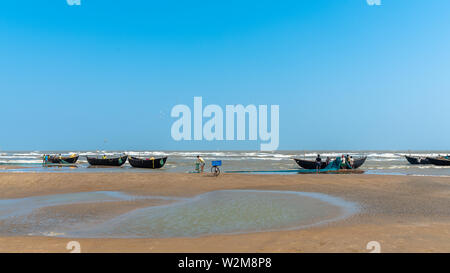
(58, 159)
(151, 163)
(107, 161)
(417, 160)
(439, 161)
(311, 164)
(334, 167)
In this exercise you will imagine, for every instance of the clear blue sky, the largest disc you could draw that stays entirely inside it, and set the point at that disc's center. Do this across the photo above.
(345, 74)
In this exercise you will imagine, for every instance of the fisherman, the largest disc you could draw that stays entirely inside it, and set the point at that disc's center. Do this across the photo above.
(318, 163)
(347, 161)
(201, 163)
(104, 156)
(351, 162)
(328, 160)
(343, 162)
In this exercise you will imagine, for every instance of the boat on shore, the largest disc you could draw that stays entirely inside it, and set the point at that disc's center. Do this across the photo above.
(439, 161)
(58, 159)
(150, 163)
(417, 160)
(303, 171)
(311, 164)
(107, 161)
(334, 167)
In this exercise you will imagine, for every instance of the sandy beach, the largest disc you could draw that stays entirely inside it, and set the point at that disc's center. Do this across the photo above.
(6, 167)
(402, 213)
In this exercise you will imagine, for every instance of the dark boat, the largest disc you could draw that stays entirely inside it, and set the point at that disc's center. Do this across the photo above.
(311, 164)
(334, 167)
(440, 161)
(151, 163)
(417, 160)
(56, 159)
(115, 161)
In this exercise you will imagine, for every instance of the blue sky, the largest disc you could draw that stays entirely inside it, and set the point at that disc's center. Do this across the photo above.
(345, 74)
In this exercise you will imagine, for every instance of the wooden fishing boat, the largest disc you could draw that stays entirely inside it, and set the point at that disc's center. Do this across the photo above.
(334, 167)
(311, 164)
(66, 166)
(151, 163)
(417, 160)
(439, 161)
(57, 159)
(112, 161)
(303, 171)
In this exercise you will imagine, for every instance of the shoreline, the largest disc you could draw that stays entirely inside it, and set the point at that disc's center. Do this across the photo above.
(104, 170)
(403, 213)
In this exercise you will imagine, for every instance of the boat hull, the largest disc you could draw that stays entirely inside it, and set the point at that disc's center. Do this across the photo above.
(311, 165)
(439, 161)
(155, 163)
(62, 160)
(303, 171)
(417, 160)
(117, 162)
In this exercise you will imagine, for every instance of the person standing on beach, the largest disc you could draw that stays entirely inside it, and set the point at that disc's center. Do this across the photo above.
(318, 163)
(201, 162)
(343, 162)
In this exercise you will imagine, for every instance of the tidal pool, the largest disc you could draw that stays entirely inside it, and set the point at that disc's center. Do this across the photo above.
(218, 212)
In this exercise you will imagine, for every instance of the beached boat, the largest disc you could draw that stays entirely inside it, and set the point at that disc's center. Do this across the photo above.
(417, 160)
(151, 163)
(334, 167)
(302, 171)
(57, 159)
(440, 161)
(112, 161)
(311, 164)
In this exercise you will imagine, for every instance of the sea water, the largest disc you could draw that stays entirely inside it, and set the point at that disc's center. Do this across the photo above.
(218, 212)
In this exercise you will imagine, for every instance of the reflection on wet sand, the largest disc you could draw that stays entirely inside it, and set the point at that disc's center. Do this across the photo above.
(116, 214)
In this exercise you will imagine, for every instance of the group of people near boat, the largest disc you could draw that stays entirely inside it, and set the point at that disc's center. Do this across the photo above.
(46, 158)
(346, 162)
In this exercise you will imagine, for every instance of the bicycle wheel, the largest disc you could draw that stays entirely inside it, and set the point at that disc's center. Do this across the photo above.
(215, 170)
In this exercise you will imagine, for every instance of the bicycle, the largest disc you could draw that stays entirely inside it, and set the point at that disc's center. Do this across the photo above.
(215, 167)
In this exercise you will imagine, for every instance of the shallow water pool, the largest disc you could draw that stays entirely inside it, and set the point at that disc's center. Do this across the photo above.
(218, 212)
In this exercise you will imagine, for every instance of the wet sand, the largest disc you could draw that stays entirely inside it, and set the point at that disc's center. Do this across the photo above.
(402, 213)
(10, 167)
